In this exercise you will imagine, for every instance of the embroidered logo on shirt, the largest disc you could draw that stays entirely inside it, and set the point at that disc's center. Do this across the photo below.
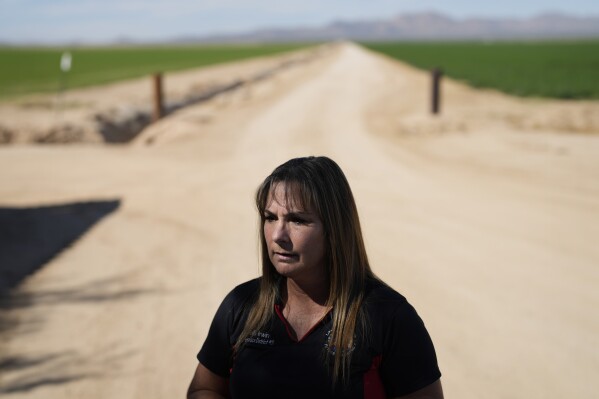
(332, 350)
(260, 338)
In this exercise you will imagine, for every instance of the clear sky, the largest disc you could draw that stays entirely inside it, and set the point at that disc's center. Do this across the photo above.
(96, 21)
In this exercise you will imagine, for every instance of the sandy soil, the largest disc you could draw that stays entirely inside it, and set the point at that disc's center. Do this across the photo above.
(485, 217)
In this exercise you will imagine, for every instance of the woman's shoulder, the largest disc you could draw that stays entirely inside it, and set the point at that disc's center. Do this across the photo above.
(243, 292)
(236, 304)
(383, 303)
(391, 317)
(378, 293)
(248, 287)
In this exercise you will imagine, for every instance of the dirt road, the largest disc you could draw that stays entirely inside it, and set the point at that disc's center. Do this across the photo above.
(485, 217)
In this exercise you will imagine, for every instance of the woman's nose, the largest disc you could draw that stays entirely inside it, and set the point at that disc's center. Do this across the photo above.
(280, 233)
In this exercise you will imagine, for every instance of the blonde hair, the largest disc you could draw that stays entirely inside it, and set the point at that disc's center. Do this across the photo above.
(318, 184)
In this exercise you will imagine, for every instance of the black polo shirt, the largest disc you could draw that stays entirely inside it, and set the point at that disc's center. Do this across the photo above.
(393, 355)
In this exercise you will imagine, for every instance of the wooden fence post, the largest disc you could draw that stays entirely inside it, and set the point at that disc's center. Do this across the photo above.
(436, 93)
(158, 106)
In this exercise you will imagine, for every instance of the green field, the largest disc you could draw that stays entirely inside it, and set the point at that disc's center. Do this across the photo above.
(566, 69)
(558, 69)
(32, 70)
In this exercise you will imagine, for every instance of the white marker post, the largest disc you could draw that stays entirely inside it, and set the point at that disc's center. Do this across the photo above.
(65, 66)
(66, 61)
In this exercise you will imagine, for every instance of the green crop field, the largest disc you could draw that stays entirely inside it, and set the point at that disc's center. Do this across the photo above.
(26, 70)
(558, 69)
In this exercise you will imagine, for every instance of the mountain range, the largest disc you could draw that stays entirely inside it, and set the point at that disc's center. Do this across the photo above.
(422, 26)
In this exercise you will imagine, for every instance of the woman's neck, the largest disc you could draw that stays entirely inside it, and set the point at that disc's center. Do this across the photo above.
(306, 294)
(304, 305)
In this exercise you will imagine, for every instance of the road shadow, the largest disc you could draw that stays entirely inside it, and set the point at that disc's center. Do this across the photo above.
(96, 291)
(27, 373)
(23, 371)
(30, 237)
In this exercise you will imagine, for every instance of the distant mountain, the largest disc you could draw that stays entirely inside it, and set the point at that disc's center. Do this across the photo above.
(424, 26)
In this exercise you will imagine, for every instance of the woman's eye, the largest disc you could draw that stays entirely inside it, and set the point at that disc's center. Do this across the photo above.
(298, 221)
(269, 218)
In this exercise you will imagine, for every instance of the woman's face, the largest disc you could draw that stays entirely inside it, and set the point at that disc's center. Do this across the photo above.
(294, 237)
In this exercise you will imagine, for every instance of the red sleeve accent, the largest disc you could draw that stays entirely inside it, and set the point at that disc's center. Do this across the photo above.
(373, 385)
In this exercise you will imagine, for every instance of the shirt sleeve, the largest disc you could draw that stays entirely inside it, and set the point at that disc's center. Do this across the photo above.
(409, 362)
(217, 352)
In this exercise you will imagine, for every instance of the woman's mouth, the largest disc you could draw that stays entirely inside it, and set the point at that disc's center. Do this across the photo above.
(286, 256)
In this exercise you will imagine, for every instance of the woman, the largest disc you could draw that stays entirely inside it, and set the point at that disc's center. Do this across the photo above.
(318, 323)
